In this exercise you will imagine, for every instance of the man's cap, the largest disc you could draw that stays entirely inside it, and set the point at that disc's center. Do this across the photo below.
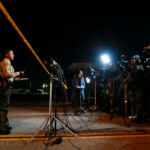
(136, 56)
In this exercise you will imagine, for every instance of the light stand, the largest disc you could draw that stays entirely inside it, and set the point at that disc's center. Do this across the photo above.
(95, 94)
(94, 107)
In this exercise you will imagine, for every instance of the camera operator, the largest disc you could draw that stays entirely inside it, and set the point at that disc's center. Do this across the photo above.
(135, 88)
(121, 74)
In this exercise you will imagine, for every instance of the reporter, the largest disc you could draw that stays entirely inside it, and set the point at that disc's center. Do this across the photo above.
(78, 86)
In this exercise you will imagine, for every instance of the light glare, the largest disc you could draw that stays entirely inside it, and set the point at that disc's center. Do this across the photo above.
(105, 59)
(88, 80)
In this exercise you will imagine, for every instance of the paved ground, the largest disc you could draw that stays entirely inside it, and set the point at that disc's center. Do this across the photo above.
(95, 131)
(107, 143)
(26, 120)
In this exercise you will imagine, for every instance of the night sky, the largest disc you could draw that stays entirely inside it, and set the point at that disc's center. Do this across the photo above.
(73, 32)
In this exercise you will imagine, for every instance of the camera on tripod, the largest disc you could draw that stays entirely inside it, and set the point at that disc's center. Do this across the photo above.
(122, 64)
(90, 75)
(145, 59)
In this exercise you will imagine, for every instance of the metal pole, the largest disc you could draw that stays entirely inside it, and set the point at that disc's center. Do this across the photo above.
(111, 97)
(50, 104)
(125, 97)
(95, 92)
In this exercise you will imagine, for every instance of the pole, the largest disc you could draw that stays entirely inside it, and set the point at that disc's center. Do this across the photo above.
(125, 98)
(50, 104)
(95, 93)
(111, 82)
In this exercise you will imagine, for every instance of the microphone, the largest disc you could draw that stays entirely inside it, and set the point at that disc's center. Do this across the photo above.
(53, 61)
(59, 70)
(56, 65)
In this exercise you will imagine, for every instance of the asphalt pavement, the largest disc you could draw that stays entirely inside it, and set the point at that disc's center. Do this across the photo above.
(93, 130)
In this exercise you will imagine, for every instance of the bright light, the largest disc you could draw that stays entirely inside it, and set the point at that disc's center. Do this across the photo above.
(88, 80)
(44, 85)
(105, 59)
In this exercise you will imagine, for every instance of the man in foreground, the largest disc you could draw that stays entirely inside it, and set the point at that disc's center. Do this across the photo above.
(7, 76)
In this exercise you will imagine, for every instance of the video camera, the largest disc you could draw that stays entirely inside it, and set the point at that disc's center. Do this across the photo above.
(122, 64)
(145, 59)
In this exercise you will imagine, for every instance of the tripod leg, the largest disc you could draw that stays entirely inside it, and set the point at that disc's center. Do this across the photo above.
(81, 108)
(37, 131)
(65, 126)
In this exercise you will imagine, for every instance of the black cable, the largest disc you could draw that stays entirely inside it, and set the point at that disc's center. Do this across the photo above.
(81, 119)
(66, 105)
(65, 112)
(75, 119)
(73, 145)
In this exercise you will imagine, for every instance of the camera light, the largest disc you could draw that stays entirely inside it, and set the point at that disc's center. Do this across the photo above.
(105, 59)
(88, 80)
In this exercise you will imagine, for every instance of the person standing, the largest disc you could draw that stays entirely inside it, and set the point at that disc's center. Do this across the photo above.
(135, 88)
(7, 76)
(78, 93)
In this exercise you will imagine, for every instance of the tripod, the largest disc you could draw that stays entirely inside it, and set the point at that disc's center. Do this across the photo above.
(52, 118)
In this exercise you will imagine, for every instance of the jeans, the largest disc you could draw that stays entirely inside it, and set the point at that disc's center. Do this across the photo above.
(4, 103)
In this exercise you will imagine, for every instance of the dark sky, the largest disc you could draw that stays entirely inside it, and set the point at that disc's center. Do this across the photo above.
(75, 31)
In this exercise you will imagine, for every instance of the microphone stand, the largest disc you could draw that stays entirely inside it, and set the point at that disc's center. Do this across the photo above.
(52, 117)
(55, 109)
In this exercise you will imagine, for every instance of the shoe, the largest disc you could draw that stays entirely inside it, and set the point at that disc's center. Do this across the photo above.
(133, 117)
(5, 132)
